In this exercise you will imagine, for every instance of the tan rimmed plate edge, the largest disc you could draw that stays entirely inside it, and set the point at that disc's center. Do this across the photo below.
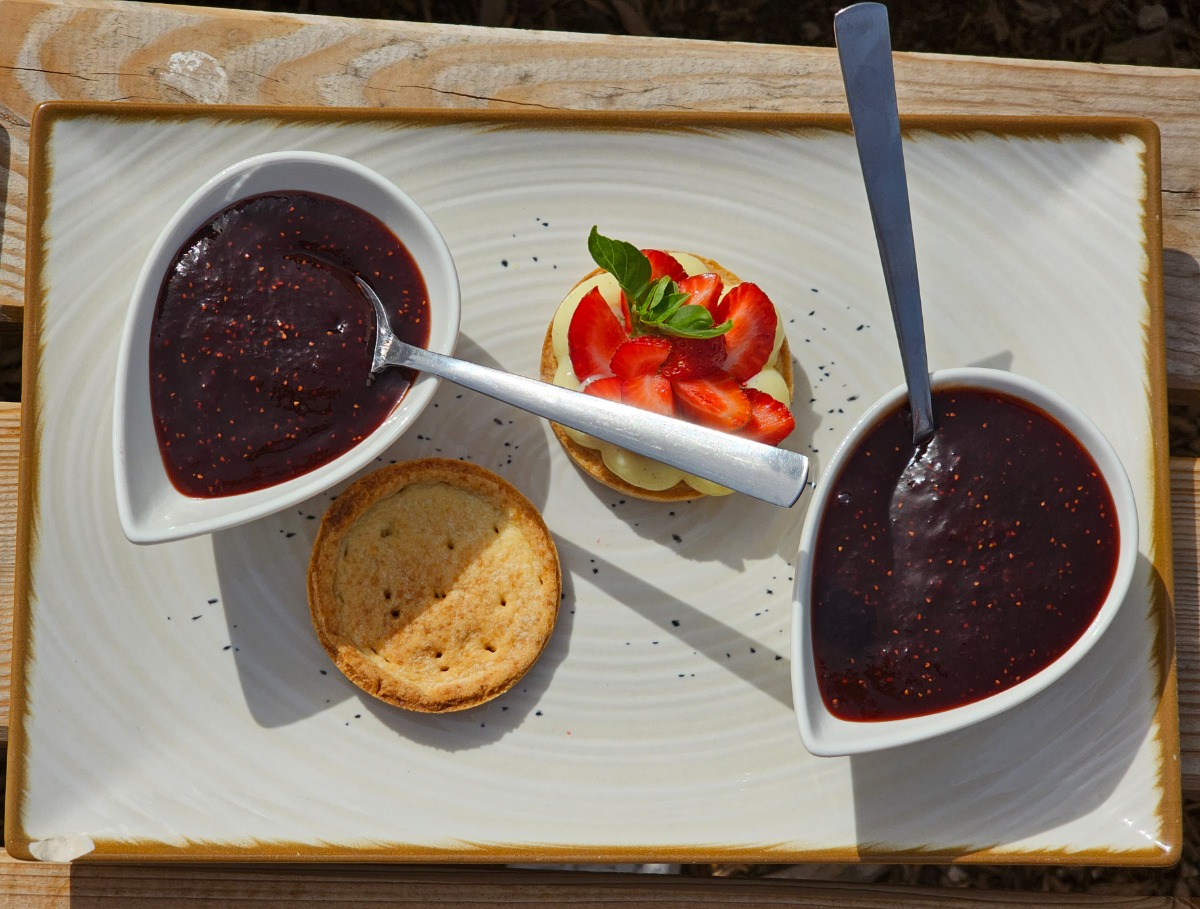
(47, 114)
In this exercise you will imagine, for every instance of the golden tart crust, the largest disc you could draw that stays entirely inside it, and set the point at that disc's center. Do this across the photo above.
(433, 584)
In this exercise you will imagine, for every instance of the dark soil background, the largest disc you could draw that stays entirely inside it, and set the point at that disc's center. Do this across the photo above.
(1138, 32)
(1164, 33)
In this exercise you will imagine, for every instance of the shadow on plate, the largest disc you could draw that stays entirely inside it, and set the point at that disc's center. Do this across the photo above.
(285, 674)
(1048, 763)
(755, 662)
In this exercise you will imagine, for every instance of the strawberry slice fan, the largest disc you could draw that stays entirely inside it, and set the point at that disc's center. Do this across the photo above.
(681, 346)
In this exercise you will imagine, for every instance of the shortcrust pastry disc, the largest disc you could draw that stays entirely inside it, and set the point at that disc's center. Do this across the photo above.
(433, 584)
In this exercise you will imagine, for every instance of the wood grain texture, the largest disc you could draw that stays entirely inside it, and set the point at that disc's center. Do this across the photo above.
(1185, 521)
(10, 440)
(284, 887)
(112, 51)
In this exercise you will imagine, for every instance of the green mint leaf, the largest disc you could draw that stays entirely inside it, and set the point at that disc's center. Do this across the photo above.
(673, 300)
(693, 321)
(656, 306)
(652, 304)
(660, 305)
(623, 261)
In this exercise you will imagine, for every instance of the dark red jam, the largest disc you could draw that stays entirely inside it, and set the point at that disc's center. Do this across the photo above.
(947, 573)
(260, 350)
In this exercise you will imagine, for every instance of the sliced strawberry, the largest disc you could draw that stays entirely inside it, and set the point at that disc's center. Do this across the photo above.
(694, 357)
(705, 290)
(649, 392)
(593, 336)
(662, 263)
(640, 356)
(607, 387)
(625, 315)
(749, 342)
(770, 420)
(716, 400)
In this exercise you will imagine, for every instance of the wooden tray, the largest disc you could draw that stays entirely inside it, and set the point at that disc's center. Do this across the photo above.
(172, 701)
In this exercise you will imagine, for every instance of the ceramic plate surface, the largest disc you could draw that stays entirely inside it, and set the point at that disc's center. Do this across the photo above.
(172, 701)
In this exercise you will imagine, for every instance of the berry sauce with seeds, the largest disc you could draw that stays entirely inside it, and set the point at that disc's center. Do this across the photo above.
(261, 345)
(949, 572)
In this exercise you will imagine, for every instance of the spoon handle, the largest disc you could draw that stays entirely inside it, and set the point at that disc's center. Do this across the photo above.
(865, 52)
(771, 474)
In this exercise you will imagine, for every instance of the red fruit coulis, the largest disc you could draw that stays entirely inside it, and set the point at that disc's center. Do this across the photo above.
(260, 356)
(954, 571)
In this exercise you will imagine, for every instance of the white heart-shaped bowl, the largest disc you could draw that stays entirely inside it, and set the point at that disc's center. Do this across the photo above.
(827, 734)
(151, 509)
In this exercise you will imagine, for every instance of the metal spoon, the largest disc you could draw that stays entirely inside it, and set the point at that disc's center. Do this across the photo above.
(765, 472)
(865, 51)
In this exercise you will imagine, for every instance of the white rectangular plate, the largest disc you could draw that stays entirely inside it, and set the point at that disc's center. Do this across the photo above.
(172, 701)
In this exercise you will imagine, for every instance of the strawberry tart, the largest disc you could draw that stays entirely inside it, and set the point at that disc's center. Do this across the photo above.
(673, 333)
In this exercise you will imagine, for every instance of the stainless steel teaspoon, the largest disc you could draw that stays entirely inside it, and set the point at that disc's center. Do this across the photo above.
(765, 472)
(865, 51)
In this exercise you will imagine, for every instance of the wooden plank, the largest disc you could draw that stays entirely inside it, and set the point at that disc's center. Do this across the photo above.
(10, 438)
(111, 50)
(286, 886)
(1185, 527)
